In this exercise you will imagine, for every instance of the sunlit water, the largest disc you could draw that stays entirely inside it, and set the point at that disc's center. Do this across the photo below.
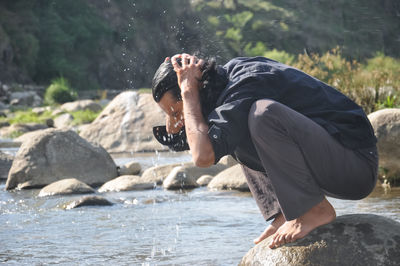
(152, 227)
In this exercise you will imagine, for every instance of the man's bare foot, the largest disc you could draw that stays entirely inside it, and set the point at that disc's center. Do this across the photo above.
(271, 229)
(290, 231)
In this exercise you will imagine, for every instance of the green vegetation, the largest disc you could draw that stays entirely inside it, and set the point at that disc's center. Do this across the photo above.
(83, 116)
(373, 85)
(59, 92)
(27, 116)
(360, 27)
(119, 44)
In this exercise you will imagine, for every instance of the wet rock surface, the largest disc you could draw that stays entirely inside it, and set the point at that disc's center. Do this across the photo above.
(355, 239)
(5, 164)
(65, 187)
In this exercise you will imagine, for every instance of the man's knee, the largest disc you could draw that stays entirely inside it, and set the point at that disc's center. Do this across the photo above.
(263, 113)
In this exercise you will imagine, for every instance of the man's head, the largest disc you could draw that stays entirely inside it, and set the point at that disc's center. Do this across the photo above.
(167, 94)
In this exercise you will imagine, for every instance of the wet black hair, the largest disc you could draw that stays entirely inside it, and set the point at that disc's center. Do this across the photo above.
(214, 80)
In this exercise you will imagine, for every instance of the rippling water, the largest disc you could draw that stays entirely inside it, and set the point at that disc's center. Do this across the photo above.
(155, 227)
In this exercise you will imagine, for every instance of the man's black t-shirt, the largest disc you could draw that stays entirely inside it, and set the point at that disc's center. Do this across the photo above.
(251, 79)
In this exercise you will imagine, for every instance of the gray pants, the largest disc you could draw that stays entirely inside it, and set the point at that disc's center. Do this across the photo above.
(302, 163)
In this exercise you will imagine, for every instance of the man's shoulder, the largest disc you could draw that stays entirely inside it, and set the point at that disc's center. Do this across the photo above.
(249, 60)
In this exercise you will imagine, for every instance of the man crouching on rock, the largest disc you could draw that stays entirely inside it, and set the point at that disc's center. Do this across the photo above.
(297, 138)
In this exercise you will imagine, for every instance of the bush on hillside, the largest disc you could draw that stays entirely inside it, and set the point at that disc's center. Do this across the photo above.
(372, 85)
(59, 92)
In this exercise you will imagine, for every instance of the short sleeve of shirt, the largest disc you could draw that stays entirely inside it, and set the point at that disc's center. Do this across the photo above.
(228, 124)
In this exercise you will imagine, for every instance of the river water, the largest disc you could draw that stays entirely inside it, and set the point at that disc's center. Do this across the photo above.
(152, 227)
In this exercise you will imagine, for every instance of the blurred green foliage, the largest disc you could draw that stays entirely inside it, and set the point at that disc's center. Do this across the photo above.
(59, 92)
(53, 38)
(373, 85)
(84, 116)
(360, 27)
(119, 44)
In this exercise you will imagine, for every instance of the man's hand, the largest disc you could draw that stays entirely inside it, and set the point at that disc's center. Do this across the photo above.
(189, 80)
(189, 73)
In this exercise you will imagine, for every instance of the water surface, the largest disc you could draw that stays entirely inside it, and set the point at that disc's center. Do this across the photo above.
(153, 227)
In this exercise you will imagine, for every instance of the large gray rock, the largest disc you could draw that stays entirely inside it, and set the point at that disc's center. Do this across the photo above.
(157, 174)
(126, 183)
(231, 178)
(357, 239)
(54, 154)
(81, 105)
(126, 124)
(5, 164)
(386, 124)
(88, 201)
(65, 187)
(179, 178)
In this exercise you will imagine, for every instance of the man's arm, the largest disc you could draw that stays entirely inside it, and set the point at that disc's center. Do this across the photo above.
(189, 75)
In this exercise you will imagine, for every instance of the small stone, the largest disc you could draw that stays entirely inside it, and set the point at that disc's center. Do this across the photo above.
(126, 183)
(231, 178)
(63, 121)
(131, 168)
(179, 179)
(88, 201)
(65, 187)
(204, 180)
(157, 174)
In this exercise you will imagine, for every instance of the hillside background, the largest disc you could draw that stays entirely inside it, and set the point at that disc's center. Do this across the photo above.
(118, 44)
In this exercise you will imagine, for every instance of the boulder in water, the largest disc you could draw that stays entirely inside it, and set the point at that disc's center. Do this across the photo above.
(53, 154)
(125, 183)
(66, 187)
(88, 201)
(131, 168)
(157, 174)
(356, 239)
(179, 178)
(386, 124)
(126, 124)
(5, 164)
(231, 178)
(204, 180)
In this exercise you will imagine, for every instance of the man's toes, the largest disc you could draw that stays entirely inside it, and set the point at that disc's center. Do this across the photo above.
(281, 239)
(274, 240)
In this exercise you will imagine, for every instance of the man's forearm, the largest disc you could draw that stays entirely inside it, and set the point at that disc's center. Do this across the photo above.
(197, 130)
